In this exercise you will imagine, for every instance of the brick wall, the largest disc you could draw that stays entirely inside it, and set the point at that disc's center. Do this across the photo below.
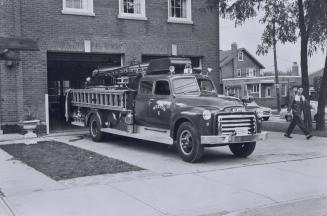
(43, 21)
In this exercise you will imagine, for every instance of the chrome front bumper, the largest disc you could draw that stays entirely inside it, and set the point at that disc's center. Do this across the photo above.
(228, 139)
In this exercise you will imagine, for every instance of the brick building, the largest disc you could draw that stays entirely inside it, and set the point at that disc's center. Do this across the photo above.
(77, 36)
(242, 75)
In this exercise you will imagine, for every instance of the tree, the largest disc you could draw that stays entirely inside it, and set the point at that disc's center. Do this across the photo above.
(318, 40)
(304, 14)
(279, 24)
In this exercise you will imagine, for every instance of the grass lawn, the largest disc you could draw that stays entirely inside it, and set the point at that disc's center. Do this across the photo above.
(61, 161)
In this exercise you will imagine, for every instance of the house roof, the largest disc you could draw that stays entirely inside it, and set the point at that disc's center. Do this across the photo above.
(318, 73)
(228, 55)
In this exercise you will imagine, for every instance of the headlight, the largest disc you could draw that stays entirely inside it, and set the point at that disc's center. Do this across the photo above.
(259, 113)
(206, 115)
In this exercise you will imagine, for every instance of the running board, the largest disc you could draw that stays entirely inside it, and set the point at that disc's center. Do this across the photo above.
(144, 133)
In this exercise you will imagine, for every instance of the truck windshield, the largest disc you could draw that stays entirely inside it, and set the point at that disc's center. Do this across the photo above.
(186, 85)
(206, 85)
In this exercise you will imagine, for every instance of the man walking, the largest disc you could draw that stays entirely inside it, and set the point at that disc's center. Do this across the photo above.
(296, 104)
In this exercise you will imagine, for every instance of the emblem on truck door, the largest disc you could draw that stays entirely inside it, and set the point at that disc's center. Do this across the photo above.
(161, 105)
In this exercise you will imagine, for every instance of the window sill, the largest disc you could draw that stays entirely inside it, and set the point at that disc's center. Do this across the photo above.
(180, 21)
(78, 13)
(131, 17)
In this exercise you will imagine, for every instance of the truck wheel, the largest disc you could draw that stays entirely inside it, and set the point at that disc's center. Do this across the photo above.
(95, 128)
(243, 149)
(188, 143)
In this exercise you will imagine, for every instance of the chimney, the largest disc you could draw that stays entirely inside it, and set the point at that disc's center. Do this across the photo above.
(295, 69)
(234, 47)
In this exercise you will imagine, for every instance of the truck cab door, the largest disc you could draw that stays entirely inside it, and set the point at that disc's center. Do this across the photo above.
(160, 105)
(142, 102)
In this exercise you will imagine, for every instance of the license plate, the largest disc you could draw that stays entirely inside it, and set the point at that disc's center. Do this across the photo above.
(241, 131)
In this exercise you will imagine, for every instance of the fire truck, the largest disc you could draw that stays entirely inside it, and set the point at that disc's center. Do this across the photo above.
(165, 101)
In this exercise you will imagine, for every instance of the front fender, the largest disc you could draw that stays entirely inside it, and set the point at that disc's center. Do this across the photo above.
(195, 117)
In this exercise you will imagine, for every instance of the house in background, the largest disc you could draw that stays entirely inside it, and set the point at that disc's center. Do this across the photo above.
(242, 75)
(314, 77)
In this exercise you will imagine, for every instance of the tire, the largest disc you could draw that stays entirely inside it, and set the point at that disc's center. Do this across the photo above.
(265, 118)
(188, 143)
(242, 150)
(95, 129)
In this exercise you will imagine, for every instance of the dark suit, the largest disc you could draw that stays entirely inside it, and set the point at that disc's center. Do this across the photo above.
(296, 104)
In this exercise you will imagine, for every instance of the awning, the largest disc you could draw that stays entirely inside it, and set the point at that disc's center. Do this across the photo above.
(8, 46)
(18, 44)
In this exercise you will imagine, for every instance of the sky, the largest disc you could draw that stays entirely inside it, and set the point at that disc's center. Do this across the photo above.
(248, 36)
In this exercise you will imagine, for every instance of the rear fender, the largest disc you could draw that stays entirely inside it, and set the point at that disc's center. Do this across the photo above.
(98, 113)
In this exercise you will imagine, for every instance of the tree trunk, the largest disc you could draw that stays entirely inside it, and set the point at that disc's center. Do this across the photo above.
(304, 64)
(322, 100)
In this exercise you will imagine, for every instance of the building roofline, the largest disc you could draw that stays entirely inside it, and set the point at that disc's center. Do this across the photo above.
(262, 77)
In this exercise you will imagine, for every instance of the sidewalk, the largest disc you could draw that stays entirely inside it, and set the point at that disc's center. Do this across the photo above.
(11, 137)
(278, 172)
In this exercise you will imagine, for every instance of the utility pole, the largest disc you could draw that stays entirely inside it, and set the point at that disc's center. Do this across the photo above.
(276, 68)
(219, 88)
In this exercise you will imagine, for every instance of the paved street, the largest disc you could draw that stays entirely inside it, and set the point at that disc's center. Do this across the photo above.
(283, 177)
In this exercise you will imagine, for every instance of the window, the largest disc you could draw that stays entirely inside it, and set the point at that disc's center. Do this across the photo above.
(238, 72)
(250, 72)
(78, 7)
(206, 85)
(180, 11)
(284, 90)
(146, 87)
(235, 92)
(254, 88)
(162, 88)
(132, 9)
(268, 92)
(186, 86)
(241, 56)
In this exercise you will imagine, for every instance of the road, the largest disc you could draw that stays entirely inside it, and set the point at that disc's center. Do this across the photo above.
(282, 177)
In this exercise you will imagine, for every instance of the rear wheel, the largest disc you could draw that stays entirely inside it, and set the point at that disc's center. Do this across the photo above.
(243, 149)
(188, 143)
(95, 128)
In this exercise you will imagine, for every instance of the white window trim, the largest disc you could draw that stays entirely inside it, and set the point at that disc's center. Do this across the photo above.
(284, 93)
(241, 53)
(141, 16)
(255, 87)
(238, 73)
(187, 20)
(82, 12)
(250, 74)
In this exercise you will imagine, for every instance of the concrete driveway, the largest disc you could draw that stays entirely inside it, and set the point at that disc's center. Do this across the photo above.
(281, 176)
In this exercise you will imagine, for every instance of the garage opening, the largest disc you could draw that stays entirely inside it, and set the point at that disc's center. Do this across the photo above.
(70, 70)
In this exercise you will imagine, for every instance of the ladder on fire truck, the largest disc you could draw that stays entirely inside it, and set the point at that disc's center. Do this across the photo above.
(102, 99)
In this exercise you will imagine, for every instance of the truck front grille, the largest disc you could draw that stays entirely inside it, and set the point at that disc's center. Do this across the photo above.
(236, 124)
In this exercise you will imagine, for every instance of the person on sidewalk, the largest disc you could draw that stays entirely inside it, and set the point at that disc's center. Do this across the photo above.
(296, 104)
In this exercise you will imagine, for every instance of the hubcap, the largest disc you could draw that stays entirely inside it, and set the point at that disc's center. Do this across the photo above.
(186, 142)
(94, 130)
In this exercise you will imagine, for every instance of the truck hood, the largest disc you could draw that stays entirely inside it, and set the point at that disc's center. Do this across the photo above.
(205, 101)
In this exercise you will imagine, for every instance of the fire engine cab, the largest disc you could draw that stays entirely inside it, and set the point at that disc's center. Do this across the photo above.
(165, 101)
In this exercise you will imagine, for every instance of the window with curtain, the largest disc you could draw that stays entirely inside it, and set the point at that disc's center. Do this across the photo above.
(131, 9)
